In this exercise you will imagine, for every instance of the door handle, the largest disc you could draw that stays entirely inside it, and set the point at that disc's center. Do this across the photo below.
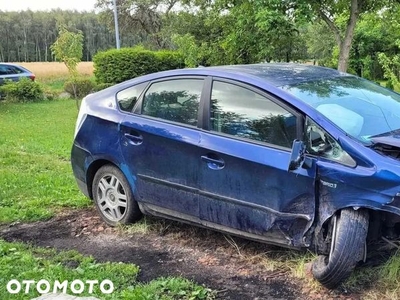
(213, 163)
(134, 138)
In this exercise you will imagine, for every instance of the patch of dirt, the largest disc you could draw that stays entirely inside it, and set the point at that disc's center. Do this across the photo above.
(230, 266)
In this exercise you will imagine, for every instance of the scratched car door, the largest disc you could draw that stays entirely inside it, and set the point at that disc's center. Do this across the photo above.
(244, 183)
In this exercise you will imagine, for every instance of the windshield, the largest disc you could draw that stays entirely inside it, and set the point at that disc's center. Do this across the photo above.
(359, 107)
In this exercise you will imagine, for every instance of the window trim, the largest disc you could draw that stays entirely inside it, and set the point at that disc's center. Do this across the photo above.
(139, 104)
(207, 115)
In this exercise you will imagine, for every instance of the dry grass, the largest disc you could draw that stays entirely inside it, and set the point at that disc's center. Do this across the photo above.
(52, 70)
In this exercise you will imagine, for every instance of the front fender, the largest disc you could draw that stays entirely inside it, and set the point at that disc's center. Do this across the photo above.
(340, 187)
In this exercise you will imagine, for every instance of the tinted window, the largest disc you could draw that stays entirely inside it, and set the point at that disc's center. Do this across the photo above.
(9, 70)
(15, 70)
(127, 98)
(174, 100)
(241, 112)
(359, 107)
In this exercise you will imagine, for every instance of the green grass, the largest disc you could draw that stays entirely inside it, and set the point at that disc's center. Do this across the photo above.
(55, 85)
(35, 174)
(23, 262)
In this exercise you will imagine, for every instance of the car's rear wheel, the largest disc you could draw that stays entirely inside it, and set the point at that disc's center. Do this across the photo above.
(349, 233)
(113, 197)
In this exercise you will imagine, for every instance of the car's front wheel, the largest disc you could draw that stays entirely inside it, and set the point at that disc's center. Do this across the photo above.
(113, 197)
(349, 233)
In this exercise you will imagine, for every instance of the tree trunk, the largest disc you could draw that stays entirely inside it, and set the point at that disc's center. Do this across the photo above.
(345, 45)
(45, 49)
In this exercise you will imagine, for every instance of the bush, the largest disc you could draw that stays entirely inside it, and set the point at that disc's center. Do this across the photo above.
(169, 60)
(115, 66)
(79, 87)
(24, 90)
(49, 94)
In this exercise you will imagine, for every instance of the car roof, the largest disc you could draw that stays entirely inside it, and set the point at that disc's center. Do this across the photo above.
(280, 74)
(276, 74)
(9, 64)
(14, 65)
(272, 74)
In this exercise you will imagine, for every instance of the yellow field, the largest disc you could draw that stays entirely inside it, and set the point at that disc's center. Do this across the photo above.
(54, 70)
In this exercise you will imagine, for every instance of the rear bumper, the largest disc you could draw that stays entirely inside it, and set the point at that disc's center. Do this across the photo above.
(79, 159)
(83, 187)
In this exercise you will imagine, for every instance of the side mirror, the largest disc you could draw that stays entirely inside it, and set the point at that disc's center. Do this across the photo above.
(297, 155)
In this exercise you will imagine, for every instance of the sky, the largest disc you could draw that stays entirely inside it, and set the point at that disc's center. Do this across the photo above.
(17, 5)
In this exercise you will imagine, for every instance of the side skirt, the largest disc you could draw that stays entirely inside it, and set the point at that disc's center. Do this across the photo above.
(154, 210)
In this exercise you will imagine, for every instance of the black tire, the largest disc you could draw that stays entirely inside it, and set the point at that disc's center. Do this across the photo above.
(347, 250)
(113, 197)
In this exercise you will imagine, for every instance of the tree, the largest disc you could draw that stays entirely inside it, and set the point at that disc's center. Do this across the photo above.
(391, 67)
(332, 12)
(143, 19)
(237, 32)
(27, 35)
(320, 43)
(68, 48)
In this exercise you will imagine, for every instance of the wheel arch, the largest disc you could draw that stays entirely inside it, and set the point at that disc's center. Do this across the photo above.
(348, 236)
(375, 211)
(321, 231)
(92, 170)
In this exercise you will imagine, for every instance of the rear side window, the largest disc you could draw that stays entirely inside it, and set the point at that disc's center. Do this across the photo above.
(174, 100)
(241, 112)
(3, 70)
(9, 70)
(127, 98)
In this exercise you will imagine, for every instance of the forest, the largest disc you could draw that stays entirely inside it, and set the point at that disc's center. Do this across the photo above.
(357, 36)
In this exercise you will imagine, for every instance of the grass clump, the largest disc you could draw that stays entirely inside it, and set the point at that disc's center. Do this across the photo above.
(168, 289)
(24, 262)
(391, 270)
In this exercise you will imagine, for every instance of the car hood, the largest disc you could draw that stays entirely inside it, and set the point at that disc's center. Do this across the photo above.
(388, 145)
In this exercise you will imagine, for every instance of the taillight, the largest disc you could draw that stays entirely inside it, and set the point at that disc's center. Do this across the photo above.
(32, 77)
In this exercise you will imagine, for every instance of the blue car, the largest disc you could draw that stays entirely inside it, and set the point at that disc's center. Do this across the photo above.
(293, 155)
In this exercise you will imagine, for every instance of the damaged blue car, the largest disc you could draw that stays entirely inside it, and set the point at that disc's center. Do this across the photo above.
(293, 155)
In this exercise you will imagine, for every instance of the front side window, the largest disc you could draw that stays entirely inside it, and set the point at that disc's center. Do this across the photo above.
(320, 143)
(127, 98)
(244, 113)
(174, 100)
